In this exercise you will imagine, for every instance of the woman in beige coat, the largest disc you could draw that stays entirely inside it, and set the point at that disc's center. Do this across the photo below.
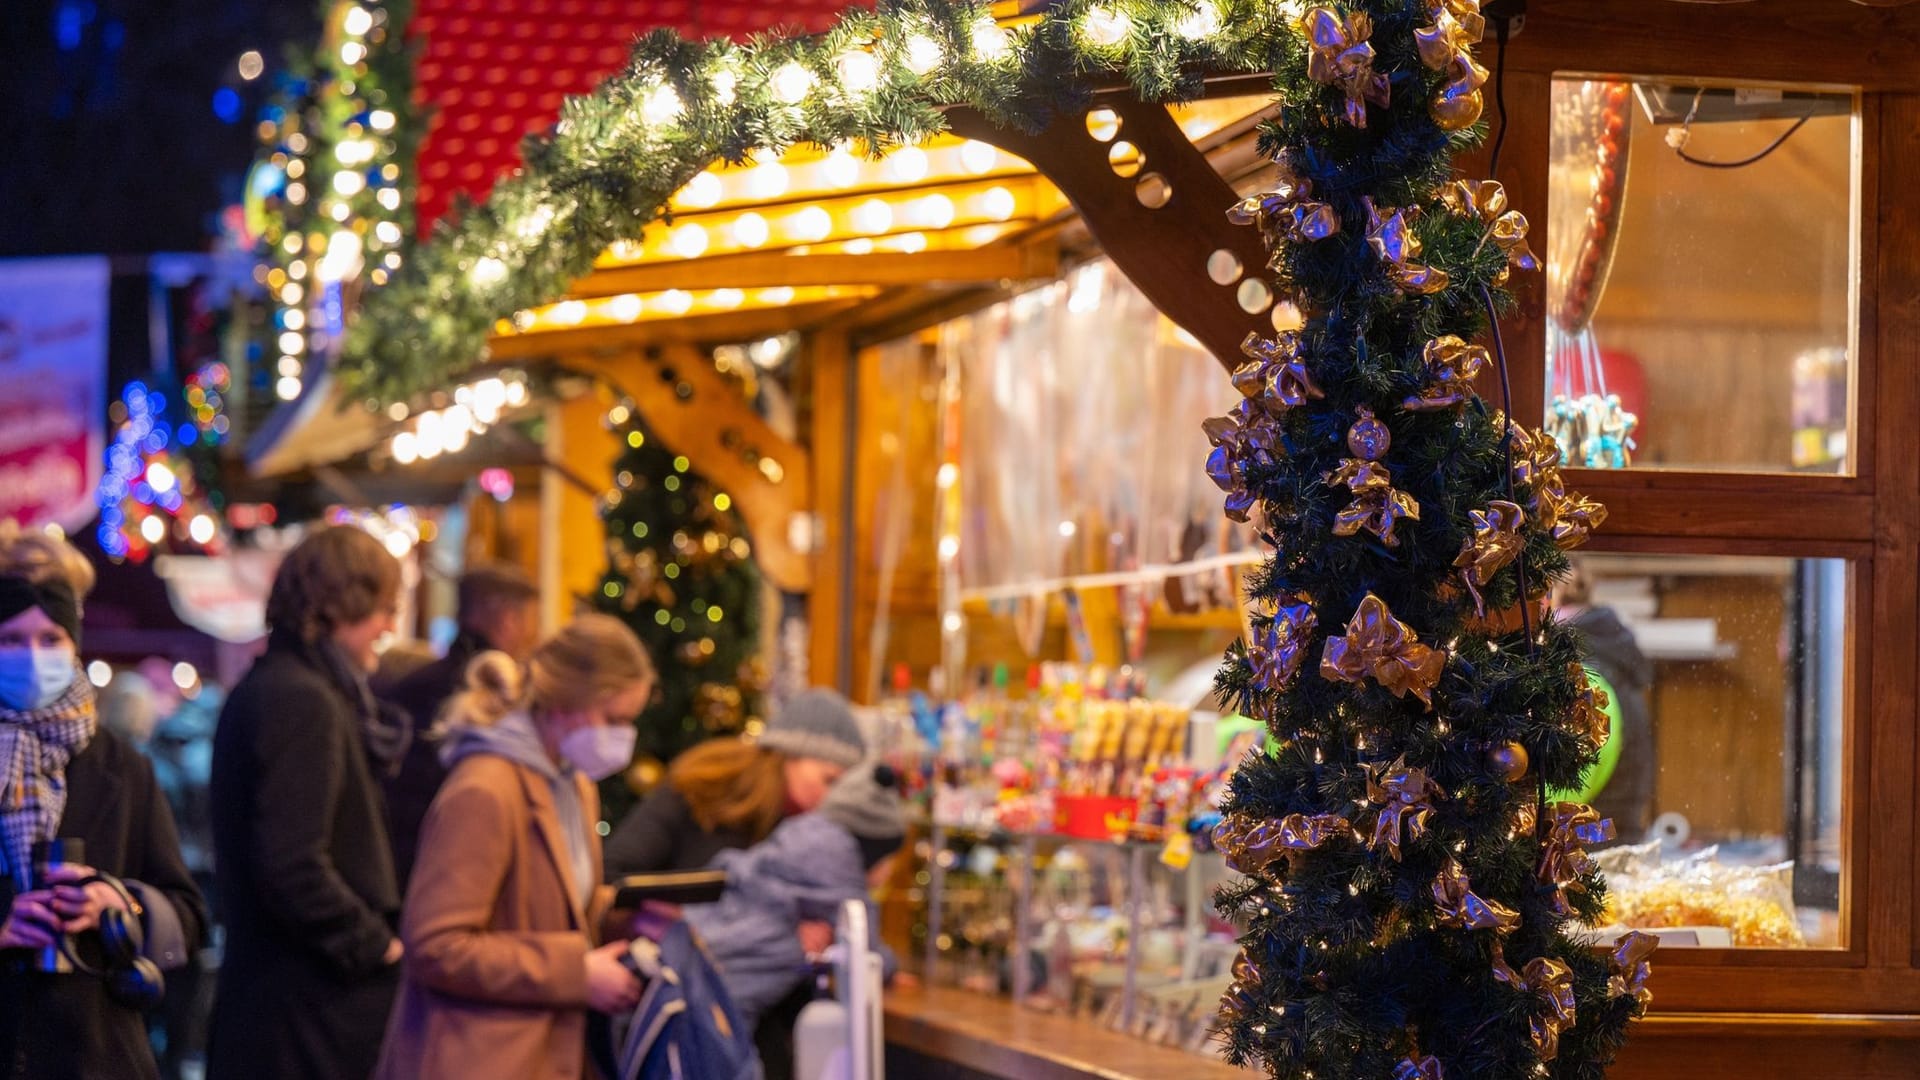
(503, 914)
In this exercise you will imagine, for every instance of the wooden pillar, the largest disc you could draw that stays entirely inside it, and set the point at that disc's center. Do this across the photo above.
(573, 549)
(835, 384)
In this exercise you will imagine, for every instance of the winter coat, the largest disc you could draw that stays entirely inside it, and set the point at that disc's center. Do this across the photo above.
(804, 871)
(306, 881)
(411, 790)
(65, 1027)
(496, 932)
(660, 833)
(1628, 797)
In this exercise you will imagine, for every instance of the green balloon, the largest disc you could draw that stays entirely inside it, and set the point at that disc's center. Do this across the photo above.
(1594, 780)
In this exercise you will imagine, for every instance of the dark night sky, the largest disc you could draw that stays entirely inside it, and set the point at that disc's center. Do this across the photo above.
(109, 141)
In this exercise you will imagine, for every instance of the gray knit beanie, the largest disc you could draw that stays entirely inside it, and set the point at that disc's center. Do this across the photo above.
(866, 802)
(817, 723)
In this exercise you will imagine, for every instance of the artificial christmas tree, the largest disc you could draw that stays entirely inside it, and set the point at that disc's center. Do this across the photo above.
(1413, 888)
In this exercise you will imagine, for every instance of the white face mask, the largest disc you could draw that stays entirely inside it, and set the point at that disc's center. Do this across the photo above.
(34, 678)
(600, 751)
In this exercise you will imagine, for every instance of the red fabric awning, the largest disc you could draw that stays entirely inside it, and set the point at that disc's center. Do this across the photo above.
(492, 72)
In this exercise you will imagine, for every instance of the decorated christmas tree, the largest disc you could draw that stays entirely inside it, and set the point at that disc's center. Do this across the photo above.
(680, 572)
(1415, 890)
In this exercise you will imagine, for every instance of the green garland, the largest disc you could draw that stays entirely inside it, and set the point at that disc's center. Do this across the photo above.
(877, 79)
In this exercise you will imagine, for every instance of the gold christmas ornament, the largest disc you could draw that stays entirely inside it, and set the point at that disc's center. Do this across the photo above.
(1404, 796)
(1339, 55)
(1392, 240)
(1456, 26)
(1496, 542)
(1452, 365)
(1381, 647)
(1508, 761)
(1459, 907)
(1458, 104)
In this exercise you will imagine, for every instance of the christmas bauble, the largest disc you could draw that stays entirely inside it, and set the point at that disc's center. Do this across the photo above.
(1509, 761)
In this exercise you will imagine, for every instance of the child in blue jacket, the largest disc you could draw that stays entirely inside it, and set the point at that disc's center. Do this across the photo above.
(804, 871)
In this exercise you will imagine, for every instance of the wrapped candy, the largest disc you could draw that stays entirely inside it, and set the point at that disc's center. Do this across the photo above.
(1452, 365)
(1339, 55)
(1496, 541)
(1404, 795)
(1381, 647)
(1393, 243)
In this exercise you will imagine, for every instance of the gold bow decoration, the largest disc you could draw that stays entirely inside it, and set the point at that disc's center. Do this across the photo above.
(1288, 212)
(1251, 847)
(1381, 647)
(1452, 365)
(1458, 103)
(1570, 516)
(1496, 541)
(1339, 55)
(1447, 46)
(1274, 374)
(1244, 439)
(1394, 243)
(1242, 997)
(1461, 908)
(1552, 981)
(1506, 228)
(1574, 518)
(1280, 647)
(1377, 510)
(1405, 796)
(1419, 1068)
(1589, 716)
(1629, 965)
(1563, 857)
(1377, 506)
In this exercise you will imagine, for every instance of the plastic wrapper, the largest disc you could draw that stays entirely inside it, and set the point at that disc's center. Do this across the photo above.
(1754, 904)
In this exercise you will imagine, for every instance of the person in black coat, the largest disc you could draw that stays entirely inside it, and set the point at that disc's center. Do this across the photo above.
(307, 886)
(62, 775)
(1628, 798)
(499, 611)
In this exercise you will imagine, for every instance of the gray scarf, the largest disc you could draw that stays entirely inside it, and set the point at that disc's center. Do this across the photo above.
(513, 737)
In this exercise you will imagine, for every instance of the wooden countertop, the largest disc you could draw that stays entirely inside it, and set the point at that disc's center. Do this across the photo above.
(993, 1036)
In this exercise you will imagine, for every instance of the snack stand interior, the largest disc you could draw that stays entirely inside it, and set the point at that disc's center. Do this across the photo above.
(991, 493)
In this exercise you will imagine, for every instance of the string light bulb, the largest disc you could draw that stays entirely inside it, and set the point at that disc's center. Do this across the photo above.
(357, 22)
(922, 54)
(791, 83)
(750, 230)
(1106, 27)
(989, 41)
(725, 83)
(1199, 24)
(487, 272)
(661, 106)
(702, 191)
(908, 164)
(859, 71)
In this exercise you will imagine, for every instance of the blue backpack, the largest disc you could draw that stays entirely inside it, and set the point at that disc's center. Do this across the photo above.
(685, 1027)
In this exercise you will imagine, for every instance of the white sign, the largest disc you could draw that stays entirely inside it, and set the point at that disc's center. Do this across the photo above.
(224, 596)
(53, 388)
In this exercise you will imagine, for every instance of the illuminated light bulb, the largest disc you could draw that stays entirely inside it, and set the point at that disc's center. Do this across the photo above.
(489, 397)
(389, 198)
(725, 81)
(287, 365)
(99, 674)
(456, 418)
(429, 436)
(778, 297)
(999, 203)
(200, 529)
(292, 294)
(949, 547)
(287, 388)
(392, 261)
(702, 191)
(912, 243)
(569, 313)
(922, 54)
(675, 302)
(358, 21)
(860, 246)
(456, 438)
(859, 71)
(767, 180)
(791, 83)
(842, 169)
(810, 225)
(952, 623)
(933, 212)
(948, 475)
(354, 152)
(1067, 529)
(1200, 23)
(380, 120)
(908, 164)
(981, 235)
(161, 478)
(488, 271)
(291, 244)
(352, 53)
(989, 41)
(294, 320)
(535, 225)
(977, 157)
(340, 213)
(251, 65)
(153, 530)
(1105, 27)
(342, 260)
(296, 193)
(661, 106)
(516, 394)
(624, 308)
(292, 342)
(872, 217)
(689, 241)
(297, 143)
(398, 411)
(727, 299)
(297, 271)
(750, 230)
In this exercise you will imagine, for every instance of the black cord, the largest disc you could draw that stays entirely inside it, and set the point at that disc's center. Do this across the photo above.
(1744, 162)
(1500, 35)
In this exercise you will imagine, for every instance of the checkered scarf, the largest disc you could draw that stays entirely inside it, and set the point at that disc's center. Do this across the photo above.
(35, 747)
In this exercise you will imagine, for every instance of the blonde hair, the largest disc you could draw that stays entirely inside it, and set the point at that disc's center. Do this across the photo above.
(591, 658)
(40, 557)
(336, 576)
(732, 784)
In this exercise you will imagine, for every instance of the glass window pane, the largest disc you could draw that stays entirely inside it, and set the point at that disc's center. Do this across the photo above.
(1723, 779)
(1700, 259)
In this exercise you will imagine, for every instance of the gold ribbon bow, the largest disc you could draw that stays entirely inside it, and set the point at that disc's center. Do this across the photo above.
(1243, 439)
(1274, 374)
(1288, 212)
(1460, 907)
(1393, 242)
(1377, 510)
(1629, 965)
(1280, 647)
(1405, 796)
(1589, 709)
(1574, 518)
(1340, 55)
(1570, 516)
(1452, 365)
(1250, 846)
(1377, 506)
(1419, 1068)
(1506, 227)
(1552, 981)
(1379, 646)
(1563, 858)
(1496, 541)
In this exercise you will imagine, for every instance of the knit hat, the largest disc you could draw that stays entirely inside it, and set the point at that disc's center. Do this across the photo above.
(866, 802)
(819, 724)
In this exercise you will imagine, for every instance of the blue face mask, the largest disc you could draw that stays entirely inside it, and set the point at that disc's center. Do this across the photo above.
(34, 678)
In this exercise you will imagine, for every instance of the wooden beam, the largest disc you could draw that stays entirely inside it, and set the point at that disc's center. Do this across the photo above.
(762, 271)
(833, 385)
(625, 337)
(694, 410)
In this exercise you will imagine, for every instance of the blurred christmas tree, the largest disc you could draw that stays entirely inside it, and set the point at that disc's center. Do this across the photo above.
(680, 572)
(1414, 880)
